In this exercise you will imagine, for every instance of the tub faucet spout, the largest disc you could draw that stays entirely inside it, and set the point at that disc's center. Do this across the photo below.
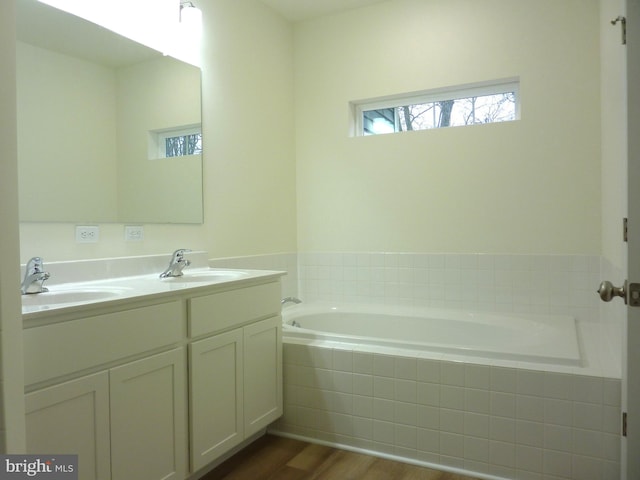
(34, 277)
(290, 300)
(177, 264)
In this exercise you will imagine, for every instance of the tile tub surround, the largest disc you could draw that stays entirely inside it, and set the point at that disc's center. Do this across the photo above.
(562, 284)
(546, 284)
(284, 262)
(496, 422)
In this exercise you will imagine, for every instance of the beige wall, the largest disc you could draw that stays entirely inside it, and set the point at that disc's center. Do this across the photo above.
(250, 203)
(66, 123)
(531, 186)
(249, 168)
(12, 435)
(614, 135)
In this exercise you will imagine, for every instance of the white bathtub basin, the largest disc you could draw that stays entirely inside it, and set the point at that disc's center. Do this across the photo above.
(520, 337)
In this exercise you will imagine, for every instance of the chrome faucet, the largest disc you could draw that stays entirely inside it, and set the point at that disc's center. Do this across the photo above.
(290, 300)
(34, 277)
(177, 263)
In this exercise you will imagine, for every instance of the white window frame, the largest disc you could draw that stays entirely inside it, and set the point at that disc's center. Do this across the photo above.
(480, 89)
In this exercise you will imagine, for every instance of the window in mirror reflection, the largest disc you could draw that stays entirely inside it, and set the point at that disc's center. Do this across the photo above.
(177, 142)
(190, 144)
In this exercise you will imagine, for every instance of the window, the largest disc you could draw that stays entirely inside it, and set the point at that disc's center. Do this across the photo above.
(189, 144)
(451, 107)
(176, 142)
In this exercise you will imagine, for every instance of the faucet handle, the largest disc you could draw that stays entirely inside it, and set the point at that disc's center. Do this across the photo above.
(177, 263)
(295, 300)
(34, 265)
(179, 254)
(34, 277)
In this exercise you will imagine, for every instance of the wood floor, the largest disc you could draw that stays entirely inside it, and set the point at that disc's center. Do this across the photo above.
(278, 458)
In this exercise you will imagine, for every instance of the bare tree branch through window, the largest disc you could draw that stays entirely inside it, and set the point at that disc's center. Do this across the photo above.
(467, 110)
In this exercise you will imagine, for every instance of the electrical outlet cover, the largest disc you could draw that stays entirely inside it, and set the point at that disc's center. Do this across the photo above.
(133, 233)
(87, 234)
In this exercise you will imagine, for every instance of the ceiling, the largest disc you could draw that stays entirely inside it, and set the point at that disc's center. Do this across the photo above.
(297, 10)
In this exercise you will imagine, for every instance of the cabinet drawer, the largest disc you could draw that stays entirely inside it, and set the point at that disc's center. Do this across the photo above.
(62, 348)
(220, 311)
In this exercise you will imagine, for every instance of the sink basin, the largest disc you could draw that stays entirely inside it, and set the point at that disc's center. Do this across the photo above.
(61, 296)
(210, 276)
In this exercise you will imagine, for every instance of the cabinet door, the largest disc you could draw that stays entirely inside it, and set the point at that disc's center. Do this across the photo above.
(262, 374)
(215, 371)
(148, 418)
(72, 418)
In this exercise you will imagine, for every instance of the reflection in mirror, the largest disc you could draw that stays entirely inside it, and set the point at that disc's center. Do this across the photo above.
(108, 130)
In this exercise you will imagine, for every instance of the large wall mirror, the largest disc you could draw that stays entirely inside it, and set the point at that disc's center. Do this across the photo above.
(108, 129)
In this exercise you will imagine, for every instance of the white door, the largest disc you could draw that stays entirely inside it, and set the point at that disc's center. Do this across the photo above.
(632, 376)
(630, 466)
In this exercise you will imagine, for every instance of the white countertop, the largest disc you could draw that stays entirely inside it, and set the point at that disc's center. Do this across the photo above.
(69, 297)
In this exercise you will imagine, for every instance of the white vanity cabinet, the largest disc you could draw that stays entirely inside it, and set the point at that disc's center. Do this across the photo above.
(158, 387)
(126, 420)
(235, 376)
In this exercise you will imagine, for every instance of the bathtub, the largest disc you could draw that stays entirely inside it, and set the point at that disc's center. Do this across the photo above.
(492, 396)
(547, 339)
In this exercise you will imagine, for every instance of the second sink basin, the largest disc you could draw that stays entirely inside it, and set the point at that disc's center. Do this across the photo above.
(207, 276)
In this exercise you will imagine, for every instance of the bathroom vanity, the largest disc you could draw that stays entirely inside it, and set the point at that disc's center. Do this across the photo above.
(158, 380)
